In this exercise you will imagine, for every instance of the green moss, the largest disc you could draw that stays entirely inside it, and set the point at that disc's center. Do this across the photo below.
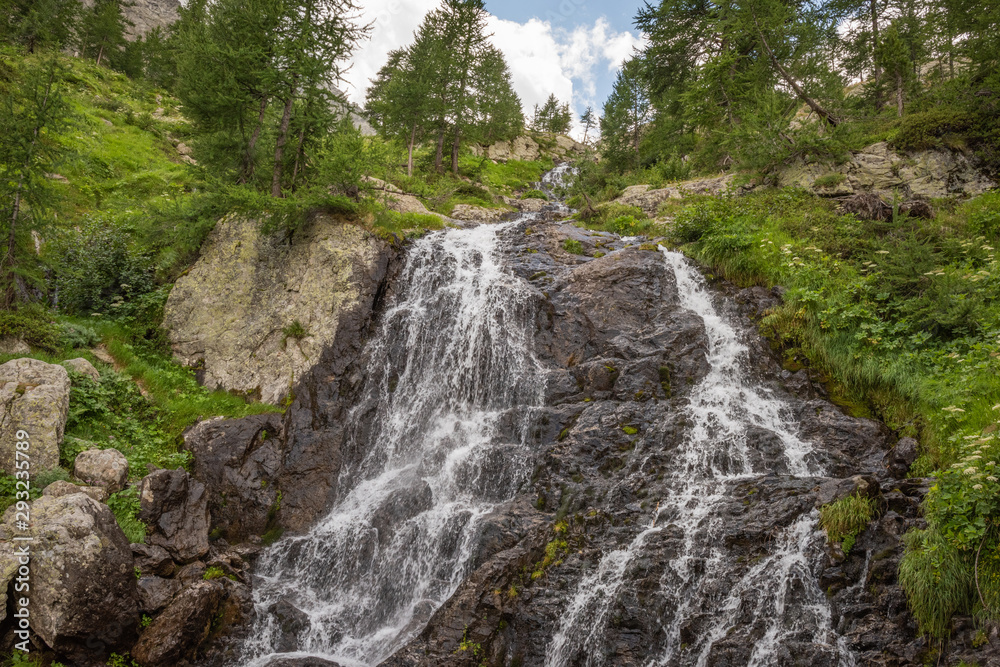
(630, 430)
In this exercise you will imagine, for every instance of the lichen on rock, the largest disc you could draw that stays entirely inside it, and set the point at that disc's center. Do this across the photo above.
(226, 316)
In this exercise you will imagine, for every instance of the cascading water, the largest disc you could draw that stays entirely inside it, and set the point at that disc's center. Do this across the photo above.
(778, 598)
(451, 386)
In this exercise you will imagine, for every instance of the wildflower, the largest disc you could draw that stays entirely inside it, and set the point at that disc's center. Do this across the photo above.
(953, 409)
(881, 252)
(977, 486)
(992, 478)
(970, 471)
(997, 406)
(991, 464)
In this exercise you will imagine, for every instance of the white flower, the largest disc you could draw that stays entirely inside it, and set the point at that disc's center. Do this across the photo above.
(977, 486)
(992, 478)
(970, 471)
(881, 252)
(953, 409)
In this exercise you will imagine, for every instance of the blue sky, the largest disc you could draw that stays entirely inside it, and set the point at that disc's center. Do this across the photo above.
(571, 48)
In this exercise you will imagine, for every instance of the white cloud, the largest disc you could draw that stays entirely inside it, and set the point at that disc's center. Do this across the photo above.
(543, 59)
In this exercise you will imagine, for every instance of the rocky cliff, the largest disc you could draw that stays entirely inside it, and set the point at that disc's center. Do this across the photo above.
(256, 312)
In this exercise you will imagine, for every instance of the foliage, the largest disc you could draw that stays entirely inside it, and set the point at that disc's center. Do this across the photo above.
(125, 506)
(935, 579)
(552, 117)
(534, 194)
(930, 129)
(33, 325)
(573, 247)
(844, 519)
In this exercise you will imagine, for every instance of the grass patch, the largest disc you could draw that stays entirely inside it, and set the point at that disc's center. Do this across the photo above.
(534, 194)
(573, 247)
(845, 519)
(125, 506)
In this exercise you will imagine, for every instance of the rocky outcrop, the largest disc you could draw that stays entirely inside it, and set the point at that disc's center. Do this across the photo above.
(878, 168)
(175, 507)
(34, 399)
(255, 312)
(84, 600)
(105, 468)
(397, 200)
(60, 488)
(649, 200)
(470, 213)
(529, 148)
(144, 16)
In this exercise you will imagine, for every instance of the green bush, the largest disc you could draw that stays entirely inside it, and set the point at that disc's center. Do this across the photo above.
(573, 247)
(33, 325)
(100, 270)
(74, 336)
(534, 194)
(847, 517)
(920, 131)
(935, 579)
(125, 506)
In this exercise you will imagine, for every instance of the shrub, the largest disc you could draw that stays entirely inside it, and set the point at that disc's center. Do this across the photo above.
(829, 181)
(573, 247)
(75, 336)
(534, 194)
(928, 129)
(100, 271)
(125, 506)
(935, 580)
(33, 325)
(847, 517)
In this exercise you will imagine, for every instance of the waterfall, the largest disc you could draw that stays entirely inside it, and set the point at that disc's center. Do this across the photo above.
(778, 597)
(440, 434)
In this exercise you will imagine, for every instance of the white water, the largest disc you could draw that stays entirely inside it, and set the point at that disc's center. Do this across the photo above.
(451, 383)
(713, 459)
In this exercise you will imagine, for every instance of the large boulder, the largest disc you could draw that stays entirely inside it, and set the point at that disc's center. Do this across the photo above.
(84, 600)
(81, 365)
(106, 468)
(256, 311)
(240, 461)
(175, 507)
(182, 628)
(34, 398)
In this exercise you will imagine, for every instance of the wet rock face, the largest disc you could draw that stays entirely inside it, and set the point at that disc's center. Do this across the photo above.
(175, 507)
(624, 358)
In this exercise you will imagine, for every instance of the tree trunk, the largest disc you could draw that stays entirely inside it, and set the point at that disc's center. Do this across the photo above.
(298, 155)
(100, 55)
(279, 146)
(820, 111)
(454, 151)
(899, 94)
(439, 156)
(409, 157)
(877, 68)
(246, 173)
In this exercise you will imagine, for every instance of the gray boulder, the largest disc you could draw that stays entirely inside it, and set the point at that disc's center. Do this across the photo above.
(182, 628)
(61, 488)
(155, 593)
(175, 507)
(83, 587)
(106, 468)
(34, 398)
(81, 365)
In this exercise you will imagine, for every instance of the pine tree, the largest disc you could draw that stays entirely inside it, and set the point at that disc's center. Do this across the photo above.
(626, 113)
(589, 122)
(102, 30)
(39, 23)
(32, 109)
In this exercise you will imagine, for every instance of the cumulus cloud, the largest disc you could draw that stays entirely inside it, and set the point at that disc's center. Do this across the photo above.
(574, 64)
